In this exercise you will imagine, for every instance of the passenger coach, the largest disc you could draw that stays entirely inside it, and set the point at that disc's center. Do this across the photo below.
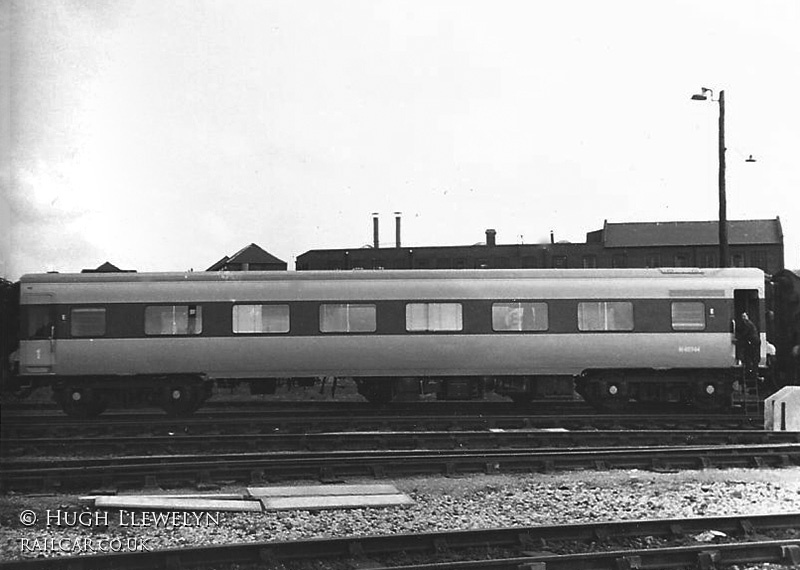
(614, 335)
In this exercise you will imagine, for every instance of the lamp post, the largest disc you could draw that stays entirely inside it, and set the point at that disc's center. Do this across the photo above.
(723, 221)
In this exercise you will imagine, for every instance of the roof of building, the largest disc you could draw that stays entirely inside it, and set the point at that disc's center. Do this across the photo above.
(249, 254)
(108, 267)
(647, 234)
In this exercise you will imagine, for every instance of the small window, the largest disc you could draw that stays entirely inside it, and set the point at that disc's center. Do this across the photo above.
(87, 322)
(173, 320)
(262, 319)
(688, 316)
(559, 262)
(434, 317)
(347, 318)
(605, 316)
(40, 322)
(590, 262)
(519, 316)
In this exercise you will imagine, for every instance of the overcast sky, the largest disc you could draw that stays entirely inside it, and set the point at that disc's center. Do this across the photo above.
(164, 135)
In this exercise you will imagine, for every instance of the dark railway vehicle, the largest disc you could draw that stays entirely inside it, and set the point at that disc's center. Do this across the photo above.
(651, 335)
(784, 327)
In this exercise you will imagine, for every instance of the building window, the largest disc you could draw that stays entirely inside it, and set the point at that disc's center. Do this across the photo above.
(559, 262)
(619, 261)
(708, 260)
(652, 261)
(590, 262)
(87, 322)
(519, 316)
(605, 316)
(263, 319)
(173, 319)
(688, 316)
(680, 261)
(737, 260)
(347, 318)
(434, 317)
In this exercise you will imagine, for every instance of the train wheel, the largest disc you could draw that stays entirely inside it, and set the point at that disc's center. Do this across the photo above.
(613, 395)
(180, 399)
(80, 401)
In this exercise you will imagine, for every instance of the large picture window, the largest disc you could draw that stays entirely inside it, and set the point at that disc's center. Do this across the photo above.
(434, 317)
(515, 316)
(173, 320)
(347, 318)
(605, 316)
(87, 322)
(688, 316)
(260, 319)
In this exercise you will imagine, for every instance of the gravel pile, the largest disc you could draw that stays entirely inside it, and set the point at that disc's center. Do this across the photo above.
(440, 504)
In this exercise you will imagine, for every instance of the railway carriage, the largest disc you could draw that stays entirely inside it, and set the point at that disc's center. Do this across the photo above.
(614, 335)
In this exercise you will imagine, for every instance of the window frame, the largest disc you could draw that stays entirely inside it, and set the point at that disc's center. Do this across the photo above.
(537, 306)
(348, 305)
(198, 316)
(261, 332)
(605, 304)
(688, 328)
(87, 308)
(428, 328)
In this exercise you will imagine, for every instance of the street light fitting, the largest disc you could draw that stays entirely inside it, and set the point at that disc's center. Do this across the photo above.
(702, 95)
(750, 159)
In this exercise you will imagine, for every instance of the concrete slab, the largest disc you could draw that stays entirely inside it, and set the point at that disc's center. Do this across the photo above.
(321, 490)
(335, 502)
(782, 410)
(90, 499)
(176, 504)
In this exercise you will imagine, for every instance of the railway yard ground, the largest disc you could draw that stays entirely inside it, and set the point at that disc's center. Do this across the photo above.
(441, 503)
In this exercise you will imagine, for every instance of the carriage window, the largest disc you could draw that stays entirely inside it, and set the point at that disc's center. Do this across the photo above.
(605, 316)
(519, 316)
(40, 321)
(434, 317)
(688, 316)
(260, 319)
(173, 319)
(347, 317)
(87, 322)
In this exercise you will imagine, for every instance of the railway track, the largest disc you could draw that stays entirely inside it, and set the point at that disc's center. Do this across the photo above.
(310, 421)
(439, 440)
(187, 470)
(672, 543)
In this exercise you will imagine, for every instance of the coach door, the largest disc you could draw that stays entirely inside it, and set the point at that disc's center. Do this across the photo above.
(745, 301)
(38, 343)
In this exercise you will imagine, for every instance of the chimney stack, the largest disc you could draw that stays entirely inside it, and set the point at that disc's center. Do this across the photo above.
(397, 229)
(490, 238)
(375, 240)
(552, 237)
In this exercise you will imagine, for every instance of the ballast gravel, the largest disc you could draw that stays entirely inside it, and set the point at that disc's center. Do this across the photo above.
(481, 501)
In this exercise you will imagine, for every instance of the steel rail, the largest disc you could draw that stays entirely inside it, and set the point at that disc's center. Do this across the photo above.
(300, 422)
(518, 542)
(184, 443)
(186, 469)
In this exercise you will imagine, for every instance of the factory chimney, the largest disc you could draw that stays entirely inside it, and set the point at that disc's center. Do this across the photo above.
(552, 237)
(490, 238)
(375, 240)
(397, 230)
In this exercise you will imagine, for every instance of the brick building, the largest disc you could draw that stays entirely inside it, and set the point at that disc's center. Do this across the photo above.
(752, 243)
